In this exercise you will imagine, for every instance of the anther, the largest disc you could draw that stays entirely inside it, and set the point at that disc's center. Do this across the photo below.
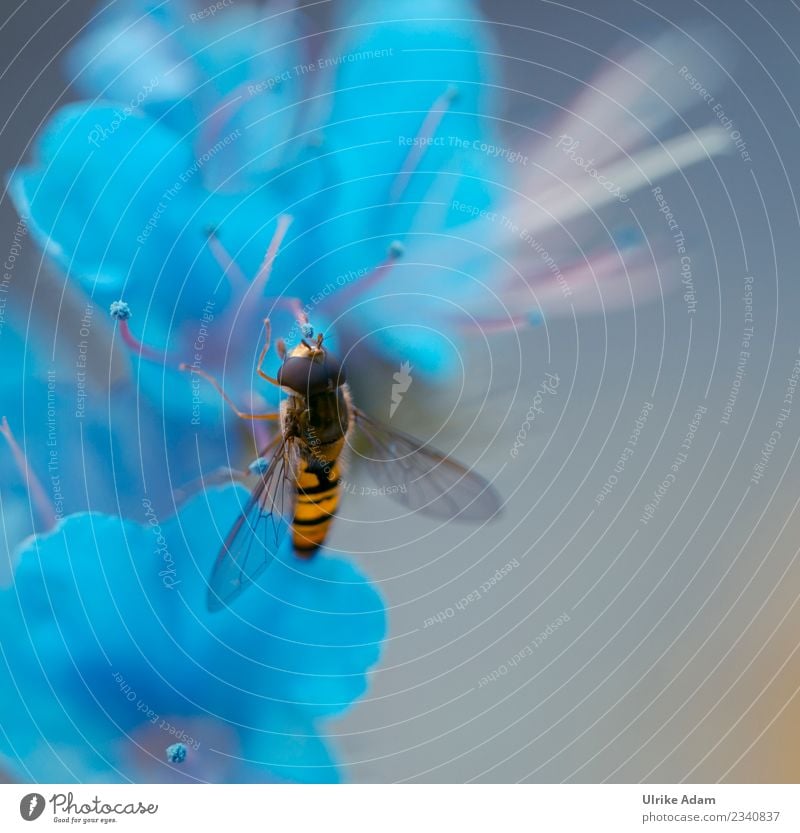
(176, 754)
(121, 311)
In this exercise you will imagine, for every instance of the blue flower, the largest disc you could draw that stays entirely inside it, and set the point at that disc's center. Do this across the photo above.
(218, 173)
(212, 134)
(208, 141)
(109, 655)
(72, 433)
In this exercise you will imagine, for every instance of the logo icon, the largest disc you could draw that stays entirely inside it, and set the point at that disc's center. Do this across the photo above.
(31, 806)
(402, 382)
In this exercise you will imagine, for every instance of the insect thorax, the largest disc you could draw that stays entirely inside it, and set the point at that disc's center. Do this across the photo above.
(319, 421)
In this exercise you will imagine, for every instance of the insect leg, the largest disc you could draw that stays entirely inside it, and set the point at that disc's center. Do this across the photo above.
(186, 368)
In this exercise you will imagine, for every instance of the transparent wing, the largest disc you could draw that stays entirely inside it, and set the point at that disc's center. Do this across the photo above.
(423, 479)
(254, 539)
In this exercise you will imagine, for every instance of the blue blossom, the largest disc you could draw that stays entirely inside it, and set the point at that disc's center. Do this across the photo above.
(74, 433)
(201, 133)
(218, 173)
(125, 198)
(109, 655)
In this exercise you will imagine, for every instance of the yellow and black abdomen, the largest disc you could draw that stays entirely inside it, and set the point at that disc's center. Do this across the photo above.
(318, 493)
(325, 421)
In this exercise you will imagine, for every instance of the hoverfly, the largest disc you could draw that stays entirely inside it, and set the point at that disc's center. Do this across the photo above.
(299, 473)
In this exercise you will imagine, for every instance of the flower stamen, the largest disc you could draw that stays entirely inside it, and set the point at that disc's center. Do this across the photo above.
(249, 301)
(260, 282)
(426, 132)
(230, 105)
(43, 504)
(122, 312)
(230, 268)
(394, 253)
(293, 304)
(501, 325)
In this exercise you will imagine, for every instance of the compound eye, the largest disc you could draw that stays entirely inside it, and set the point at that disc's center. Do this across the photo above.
(306, 375)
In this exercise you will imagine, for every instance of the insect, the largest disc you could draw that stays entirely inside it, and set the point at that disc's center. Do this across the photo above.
(299, 474)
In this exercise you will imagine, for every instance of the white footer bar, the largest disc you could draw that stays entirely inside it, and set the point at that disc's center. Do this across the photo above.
(494, 808)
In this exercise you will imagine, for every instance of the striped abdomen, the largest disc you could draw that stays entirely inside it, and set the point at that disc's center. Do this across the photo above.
(318, 493)
(326, 418)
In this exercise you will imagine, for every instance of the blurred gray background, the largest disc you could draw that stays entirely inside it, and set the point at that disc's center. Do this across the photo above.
(608, 649)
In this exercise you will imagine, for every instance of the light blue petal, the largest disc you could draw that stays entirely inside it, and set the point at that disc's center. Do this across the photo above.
(207, 71)
(309, 630)
(102, 608)
(93, 193)
(133, 55)
(394, 68)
